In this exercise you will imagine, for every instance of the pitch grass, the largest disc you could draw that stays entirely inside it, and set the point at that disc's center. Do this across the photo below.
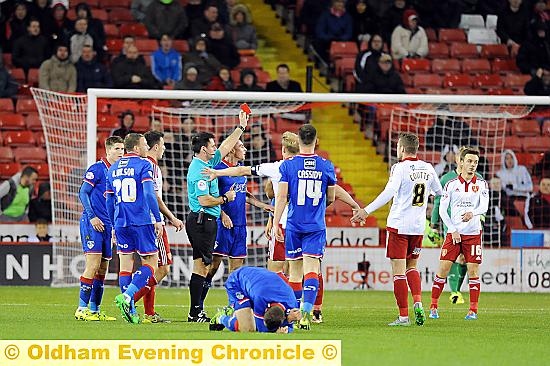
(513, 329)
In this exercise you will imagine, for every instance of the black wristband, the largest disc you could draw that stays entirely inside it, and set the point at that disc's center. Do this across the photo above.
(225, 199)
(241, 127)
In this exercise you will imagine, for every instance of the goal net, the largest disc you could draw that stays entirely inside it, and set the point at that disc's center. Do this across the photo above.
(76, 126)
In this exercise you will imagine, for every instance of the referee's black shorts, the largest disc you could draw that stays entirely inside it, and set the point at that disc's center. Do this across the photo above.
(202, 236)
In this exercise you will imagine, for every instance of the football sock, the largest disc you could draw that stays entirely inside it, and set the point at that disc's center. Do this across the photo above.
(230, 322)
(413, 279)
(453, 277)
(196, 285)
(97, 293)
(437, 288)
(401, 292)
(85, 292)
(311, 286)
(475, 289)
(318, 304)
(205, 287)
(141, 276)
(150, 284)
(463, 269)
(297, 288)
(124, 279)
(149, 301)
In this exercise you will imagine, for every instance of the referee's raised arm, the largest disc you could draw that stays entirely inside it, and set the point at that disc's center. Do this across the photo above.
(228, 144)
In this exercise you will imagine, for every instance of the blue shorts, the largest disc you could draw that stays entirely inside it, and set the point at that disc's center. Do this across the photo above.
(236, 296)
(230, 242)
(309, 244)
(94, 242)
(140, 239)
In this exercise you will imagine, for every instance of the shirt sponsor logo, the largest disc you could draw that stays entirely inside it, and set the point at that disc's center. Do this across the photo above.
(310, 164)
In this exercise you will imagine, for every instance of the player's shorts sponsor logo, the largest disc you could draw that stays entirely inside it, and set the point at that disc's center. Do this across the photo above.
(90, 175)
(90, 244)
(216, 244)
(239, 188)
(295, 251)
(417, 251)
(310, 163)
(239, 295)
(201, 185)
(123, 246)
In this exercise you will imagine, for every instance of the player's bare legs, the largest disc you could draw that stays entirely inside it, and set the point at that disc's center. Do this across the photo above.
(438, 285)
(415, 285)
(235, 263)
(475, 289)
(275, 266)
(93, 261)
(296, 275)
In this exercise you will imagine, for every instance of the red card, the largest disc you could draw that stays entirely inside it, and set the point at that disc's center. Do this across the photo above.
(245, 108)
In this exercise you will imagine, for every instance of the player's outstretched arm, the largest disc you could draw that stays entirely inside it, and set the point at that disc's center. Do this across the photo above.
(228, 144)
(251, 200)
(280, 203)
(177, 223)
(342, 195)
(235, 171)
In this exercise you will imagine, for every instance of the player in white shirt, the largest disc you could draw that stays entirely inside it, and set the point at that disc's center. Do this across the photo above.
(411, 182)
(468, 197)
(155, 140)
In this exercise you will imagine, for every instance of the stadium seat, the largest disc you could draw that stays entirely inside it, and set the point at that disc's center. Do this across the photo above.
(6, 154)
(536, 144)
(43, 169)
(133, 29)
(120, 16)
(438, 50)
(482, 36)
(12, 121)
(516, 81)
(263, 77)
(120, 106)
(463, 50)
(344, 66)
(114, 45)
(503, 66)
(445, 66)
(427, 81)
(26, 106)
(19, 138)
(111, 30)
(181, 45)
(115, 3)
(492, 51)
(33, 77)
(452, 35)
(97, 13)
(513, 143)
(432, 36)
(407, 79)
(6, 105)
(342, 49)
(7, 170)
(33, 122)
(30, 154)
(107, 122)
(488, 81)
(414, 65)
(141, 123)
(546, 127)
(40, 138)
(349, 84)
(433, 157)
(338, 221)
(457, 81)
(529, 159)
(147, 45)
(500, 91)
(6, 57)
(526, 128)
(476, 66)
(249, 62)
(18, 75)
(468, 21)
(91, 3)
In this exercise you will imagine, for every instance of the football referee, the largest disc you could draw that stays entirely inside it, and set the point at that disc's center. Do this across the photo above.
(204, 201)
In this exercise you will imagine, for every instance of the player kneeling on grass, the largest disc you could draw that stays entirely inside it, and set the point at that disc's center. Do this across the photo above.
(259, 301)
(468, 197)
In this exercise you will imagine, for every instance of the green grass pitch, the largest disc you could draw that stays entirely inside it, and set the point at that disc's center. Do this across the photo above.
(513, 328)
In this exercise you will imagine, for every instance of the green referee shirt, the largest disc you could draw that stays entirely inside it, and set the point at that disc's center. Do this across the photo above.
(198, 185)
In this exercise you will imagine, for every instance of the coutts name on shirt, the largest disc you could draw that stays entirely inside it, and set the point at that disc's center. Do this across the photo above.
(420, 175)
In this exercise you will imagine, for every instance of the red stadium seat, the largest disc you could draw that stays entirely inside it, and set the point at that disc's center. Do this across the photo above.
(503, 66)
(457, 81)
(342, 49)
(344, 66)
(107, 122)
(120, 16)
(19, 75)
(40, 138)
(349, 84)
(414, 65)
(491, 51)
(33, 122)
(115, 3)
(43, 170)
(12, 121)
(263, 77)
(427, 81)
(249, 62)
(100, 14)
(26, 106)
(141, 123)
(111, 30)
(452, 35)
(445, 66)
(7, 170)
(499, 91)
(546, 127)
(120, 106)
(407, 79)
(114, 45)
(516, 81)
(514, 143)
(464, 50)
(133, 29)
(488, 81)
(529, 159)
(19, 138)
(432, 36)
(338, 221)
(536, 144)
(476, 66)
(6, 105)
(526, 128)
(147, 45)
(181, 45)
(6, 154)
(33, 77)
(30, 154)
(438, 50)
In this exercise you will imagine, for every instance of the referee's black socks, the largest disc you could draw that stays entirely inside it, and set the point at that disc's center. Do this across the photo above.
(205, 287)
(195, 290)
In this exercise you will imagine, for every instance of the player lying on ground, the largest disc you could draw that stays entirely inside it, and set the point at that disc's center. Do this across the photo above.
(259, 301)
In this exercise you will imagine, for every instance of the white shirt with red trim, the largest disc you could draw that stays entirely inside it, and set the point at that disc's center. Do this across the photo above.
(157, 181)
(271, 171)
(411, 182)
(463, 196)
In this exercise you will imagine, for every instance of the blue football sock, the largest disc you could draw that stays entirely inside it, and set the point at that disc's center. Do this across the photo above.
(97, 293)
(141, 276)
(311, 286)
(85, 292)
(124, 279)
(230, 322)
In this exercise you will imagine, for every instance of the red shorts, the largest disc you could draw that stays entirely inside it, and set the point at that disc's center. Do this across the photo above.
(276, 248)
(470, 246)
(402, 246)
(165, 257)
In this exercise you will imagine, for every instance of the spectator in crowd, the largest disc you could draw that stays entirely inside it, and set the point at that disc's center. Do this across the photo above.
(365, 21)
(40, 9)
(206, 64)
(191, 79)
(127, 120)
(138, 8)
(542, 168)
(448, 131)
(58, 73)
(95, 28)
(258, 150)
(409, 39)
(539, 83)
(392, 17)
(19, 21)
(8, 86)
(61, 26)
(166, 17)
(130, 73)
(494, 227)
(222, 46)
(448, 160)
(310, 14)
(31, 50)
(367, 61)
(334, 25)
(40, 208)
(249, 81)
(200, 26)
(257, 129)
(224, 10)
(537, 207)
(515, 179)
(242, 32)
(486, 7)
(534, 53)
(166, 62)
(194, 10)
(127, 41)
(384, 79)
(283, 82)
(80, 38)
(15, 195)
(42, 232)
(222, 82)
(90, 73)
(513, 25)
(541, 12)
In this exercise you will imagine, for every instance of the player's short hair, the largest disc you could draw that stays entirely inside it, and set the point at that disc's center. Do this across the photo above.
(199, 140)
(132, 140)
(290, 142)
(112, 140)
(307, 134)
(283, 66)
(153, 137)
(409, 141)
(273, 318)
(469, 150)
(41, 221)
(28, 171)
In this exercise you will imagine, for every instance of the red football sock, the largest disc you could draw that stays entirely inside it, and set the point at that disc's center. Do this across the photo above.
(318, 304)
(413, 279)
(149, 301)
(145, 289)
(475, 289)
(297, 288)
(437, 289)
(401, 292)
